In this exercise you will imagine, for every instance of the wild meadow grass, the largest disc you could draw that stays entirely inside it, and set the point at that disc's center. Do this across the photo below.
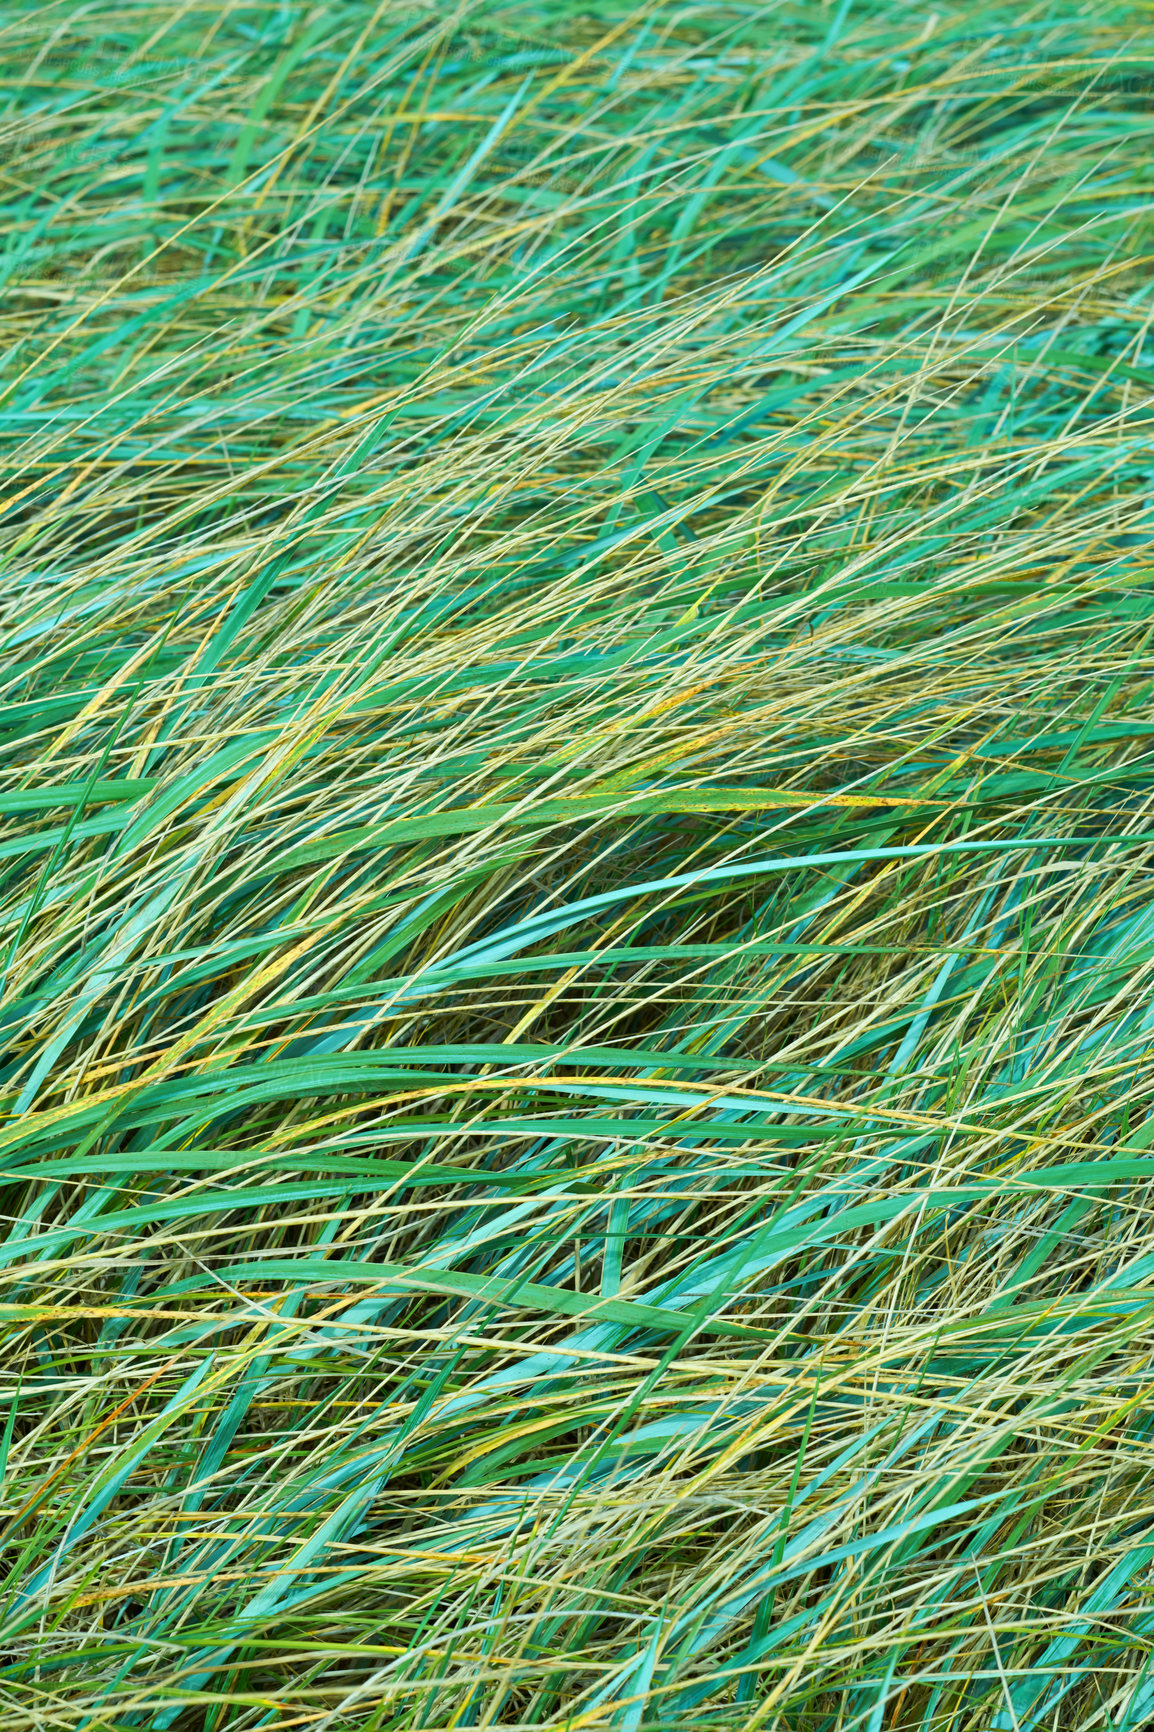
(577, 866)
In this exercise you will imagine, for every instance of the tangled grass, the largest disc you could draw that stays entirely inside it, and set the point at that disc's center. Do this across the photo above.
(576, 902)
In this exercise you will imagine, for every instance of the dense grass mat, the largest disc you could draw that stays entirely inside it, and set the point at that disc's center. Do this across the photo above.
(577, 867)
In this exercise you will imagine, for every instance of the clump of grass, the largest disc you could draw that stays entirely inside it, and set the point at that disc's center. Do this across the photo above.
(575, 891)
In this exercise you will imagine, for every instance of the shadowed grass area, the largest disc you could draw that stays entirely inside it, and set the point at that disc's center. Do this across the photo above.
(577, 867)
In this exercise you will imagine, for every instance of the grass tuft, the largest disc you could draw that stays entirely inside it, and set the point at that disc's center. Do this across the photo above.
(577, 867)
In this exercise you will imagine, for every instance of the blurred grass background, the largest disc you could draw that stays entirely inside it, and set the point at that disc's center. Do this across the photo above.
(576, 904)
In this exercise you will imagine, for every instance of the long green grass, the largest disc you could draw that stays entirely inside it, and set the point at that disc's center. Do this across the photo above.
(577, 866)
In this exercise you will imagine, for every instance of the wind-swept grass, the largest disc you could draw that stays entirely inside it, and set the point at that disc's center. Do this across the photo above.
(576, 899)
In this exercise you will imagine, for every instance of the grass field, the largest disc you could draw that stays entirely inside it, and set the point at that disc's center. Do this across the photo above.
(577, 866)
